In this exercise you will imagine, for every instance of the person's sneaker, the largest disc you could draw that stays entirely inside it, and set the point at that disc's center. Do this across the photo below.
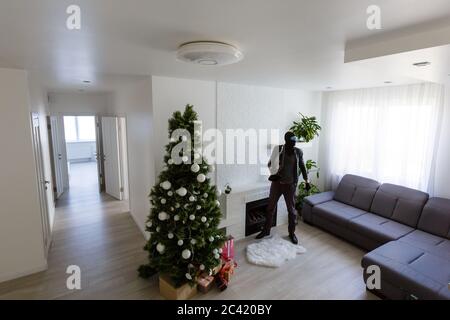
(293, 238)
(263, 234)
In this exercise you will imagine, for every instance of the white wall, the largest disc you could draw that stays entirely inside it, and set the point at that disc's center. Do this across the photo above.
(80, 103)
(134, 101)
(261, 108)
(170, 95)
(231, 106)
(81, 151)
(21, 242)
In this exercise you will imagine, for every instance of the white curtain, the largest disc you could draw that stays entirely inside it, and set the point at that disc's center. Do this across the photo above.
(388, 134)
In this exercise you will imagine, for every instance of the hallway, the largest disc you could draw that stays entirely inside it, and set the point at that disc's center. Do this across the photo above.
(96, 233)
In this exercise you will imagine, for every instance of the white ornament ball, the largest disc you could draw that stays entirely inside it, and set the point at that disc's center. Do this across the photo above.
(177, 205)
(219, 192)
(197, 156)
(217, 256)
(218, 203)
(195, 168)
(201, 178)
(192, 217)
(180, 242)
(193, 242)
(149, 224)
(170, 193)
(215, 251)
(188, 276)
(199, 207)
(205, 195)
(211, 239)
(184, 138)
(220, 250)
(170, 235)
(163, 201)
(204, 219)
(207, 225)
(170, 161)
(176, 218)
(166, 185)
(162, 216)
(185, 159)
(182, 192)
(202, 267)
(186, 206)
(191, 198)
(158, 229)
(172, 209)
(160, 248)
(186, 254)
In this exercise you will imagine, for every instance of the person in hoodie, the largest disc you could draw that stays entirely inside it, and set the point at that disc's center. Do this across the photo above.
(285, 164)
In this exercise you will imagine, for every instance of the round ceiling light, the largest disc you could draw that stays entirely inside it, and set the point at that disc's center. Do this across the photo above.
(209, 53)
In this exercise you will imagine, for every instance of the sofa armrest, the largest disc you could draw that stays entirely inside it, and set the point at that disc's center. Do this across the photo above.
(319, 198)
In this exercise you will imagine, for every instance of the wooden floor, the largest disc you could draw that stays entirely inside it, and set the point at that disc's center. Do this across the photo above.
(98, 234)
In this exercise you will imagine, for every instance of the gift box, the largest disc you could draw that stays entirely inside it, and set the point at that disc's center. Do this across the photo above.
(170, 292)
(228, 250)
(205, 283)
(224, 276)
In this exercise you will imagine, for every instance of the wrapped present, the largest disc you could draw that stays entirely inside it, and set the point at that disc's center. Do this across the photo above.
(205, 283)
(224, 276)
(228, 250)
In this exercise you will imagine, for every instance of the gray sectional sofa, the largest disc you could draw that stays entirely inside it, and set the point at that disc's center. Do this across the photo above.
(406, 233)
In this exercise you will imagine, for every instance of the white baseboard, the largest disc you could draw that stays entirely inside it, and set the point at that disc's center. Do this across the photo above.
(15, 275)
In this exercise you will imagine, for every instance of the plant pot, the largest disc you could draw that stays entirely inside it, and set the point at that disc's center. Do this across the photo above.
(168, 290)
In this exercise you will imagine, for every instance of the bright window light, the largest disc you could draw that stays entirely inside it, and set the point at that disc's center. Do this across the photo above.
(79, 129)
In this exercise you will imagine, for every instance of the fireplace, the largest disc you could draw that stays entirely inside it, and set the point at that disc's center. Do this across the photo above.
(255, 216)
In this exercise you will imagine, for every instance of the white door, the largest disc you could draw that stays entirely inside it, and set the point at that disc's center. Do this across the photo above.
(42, 182)
(58, 158)
(111, 158)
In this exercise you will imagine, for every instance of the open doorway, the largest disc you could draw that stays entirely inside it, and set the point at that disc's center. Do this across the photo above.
(89, 159)
(81, 147)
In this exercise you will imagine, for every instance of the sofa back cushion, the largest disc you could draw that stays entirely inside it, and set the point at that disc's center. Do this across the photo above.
(399, 203)
(356, 191)
(435, 218)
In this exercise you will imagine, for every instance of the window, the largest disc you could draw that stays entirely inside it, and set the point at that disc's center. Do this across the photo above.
(383, 133)
(79, 129)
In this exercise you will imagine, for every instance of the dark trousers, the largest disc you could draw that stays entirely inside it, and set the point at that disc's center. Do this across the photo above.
(288, 191)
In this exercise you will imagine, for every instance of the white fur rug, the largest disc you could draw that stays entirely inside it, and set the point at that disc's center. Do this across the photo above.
(273, 252)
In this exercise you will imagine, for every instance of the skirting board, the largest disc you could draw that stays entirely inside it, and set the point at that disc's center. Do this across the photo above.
(16, 275)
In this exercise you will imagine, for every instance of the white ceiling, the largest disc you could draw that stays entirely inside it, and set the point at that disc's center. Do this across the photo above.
(287, 43)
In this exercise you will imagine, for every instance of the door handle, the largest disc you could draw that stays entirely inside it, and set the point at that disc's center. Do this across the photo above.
(46, 183)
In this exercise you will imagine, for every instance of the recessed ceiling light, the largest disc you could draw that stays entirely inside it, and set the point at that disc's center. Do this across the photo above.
(87, 81)
(388, 82)
(209, 53)
(422, 64)
(329, 88)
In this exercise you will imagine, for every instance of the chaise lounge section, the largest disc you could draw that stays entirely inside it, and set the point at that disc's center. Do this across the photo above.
(406, 233)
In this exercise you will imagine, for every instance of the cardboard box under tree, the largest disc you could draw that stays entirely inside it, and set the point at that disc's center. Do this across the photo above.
(168, 290)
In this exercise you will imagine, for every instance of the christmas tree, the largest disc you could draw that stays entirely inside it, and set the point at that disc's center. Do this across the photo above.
(185, 215)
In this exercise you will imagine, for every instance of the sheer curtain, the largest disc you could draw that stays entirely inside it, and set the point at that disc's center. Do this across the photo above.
(388, 134)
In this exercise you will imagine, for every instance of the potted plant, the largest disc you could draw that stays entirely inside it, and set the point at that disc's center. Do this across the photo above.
(302, 192)
(306, 129)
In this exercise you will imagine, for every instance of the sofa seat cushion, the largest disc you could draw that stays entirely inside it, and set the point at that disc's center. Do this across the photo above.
(428, 242)
(411, 269)
(379, 228)
(337, 212)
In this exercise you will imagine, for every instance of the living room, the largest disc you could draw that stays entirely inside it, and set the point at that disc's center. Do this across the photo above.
(355, 94)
